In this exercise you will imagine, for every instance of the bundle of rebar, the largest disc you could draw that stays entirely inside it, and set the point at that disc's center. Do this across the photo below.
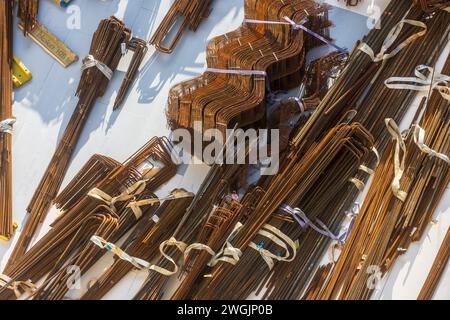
(328, 115)
(190, 12)
(96, 169)
(139, 48)
(271, 240)
(340, 153)
(192, 270)
(432, 5)
(139, 176)
(322, 71)
(143, 244)
(214, 233)
(243, 63)
(27, 12)
(244, 278)
(398, 207)
(79, 252)
(361, 87)
(218, 183)
(6, 118)
(287, 115)
(346, 111)
(98, 68)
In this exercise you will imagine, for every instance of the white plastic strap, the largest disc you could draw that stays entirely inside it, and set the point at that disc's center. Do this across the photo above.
(239, 72)
(90, 62)
(419, 140)
(390, 39)
(6, 126)
(399, 165)
(421, 82)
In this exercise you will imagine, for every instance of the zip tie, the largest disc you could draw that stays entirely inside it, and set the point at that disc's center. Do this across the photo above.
(275, 56)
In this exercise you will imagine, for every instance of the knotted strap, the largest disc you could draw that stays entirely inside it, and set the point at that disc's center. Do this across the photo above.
(172, 242)
(103, 244)
(198, 247)
(399, 165)
(297, 26)
(17, 286)
(304, 222)
(228, 253)
(282, 240)
(90, 62)
(128, 194)
(390, 39)
(136, 205)
(142, 264)
(421, 82)
(419, 140)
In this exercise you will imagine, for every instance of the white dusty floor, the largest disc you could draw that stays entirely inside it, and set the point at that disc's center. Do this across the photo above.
(43, 108)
